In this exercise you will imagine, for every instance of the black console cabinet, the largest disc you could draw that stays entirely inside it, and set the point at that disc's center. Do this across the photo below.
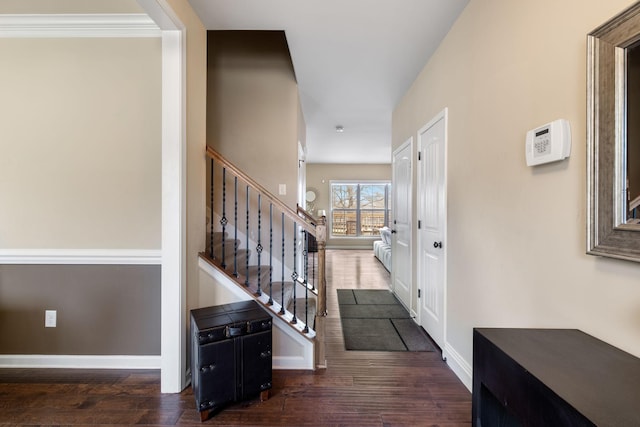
(230, 355)
(552, 377)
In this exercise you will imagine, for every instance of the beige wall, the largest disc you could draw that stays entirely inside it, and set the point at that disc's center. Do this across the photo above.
(516, 235)
(252, 107)
(320, 175)
(80, 169)
(81, 121)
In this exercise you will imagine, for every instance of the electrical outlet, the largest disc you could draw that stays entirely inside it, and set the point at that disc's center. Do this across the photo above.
(50, 317)
(282, 189)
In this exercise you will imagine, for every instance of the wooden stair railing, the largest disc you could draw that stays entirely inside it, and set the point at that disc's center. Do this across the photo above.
(306, 215)
(274, 253)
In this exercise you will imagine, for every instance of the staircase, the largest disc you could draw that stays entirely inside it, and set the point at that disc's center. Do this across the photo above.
(262, 249)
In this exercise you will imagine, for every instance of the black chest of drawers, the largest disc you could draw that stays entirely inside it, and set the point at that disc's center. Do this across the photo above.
(230, 355)
(552, 378)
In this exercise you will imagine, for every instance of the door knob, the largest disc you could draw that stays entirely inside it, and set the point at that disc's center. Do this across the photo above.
(437, 244)
(393, 231)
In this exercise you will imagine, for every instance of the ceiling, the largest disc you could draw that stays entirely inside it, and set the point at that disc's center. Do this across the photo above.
(353, 59)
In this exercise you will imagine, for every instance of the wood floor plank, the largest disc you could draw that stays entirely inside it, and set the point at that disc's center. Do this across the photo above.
(357, 389)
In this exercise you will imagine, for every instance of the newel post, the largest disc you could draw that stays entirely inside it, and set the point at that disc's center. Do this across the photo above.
(321, 237)
(321, 314)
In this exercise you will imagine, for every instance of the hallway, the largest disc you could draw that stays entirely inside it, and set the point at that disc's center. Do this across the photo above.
(358, 388)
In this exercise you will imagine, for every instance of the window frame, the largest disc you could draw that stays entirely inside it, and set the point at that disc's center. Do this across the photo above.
(358, 210)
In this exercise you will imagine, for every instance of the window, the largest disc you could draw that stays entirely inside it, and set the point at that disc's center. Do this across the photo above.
(359, 209)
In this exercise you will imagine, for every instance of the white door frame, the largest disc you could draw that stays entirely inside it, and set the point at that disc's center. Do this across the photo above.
(442, 115)
(301, 198)
(173, 320)
(302, 176)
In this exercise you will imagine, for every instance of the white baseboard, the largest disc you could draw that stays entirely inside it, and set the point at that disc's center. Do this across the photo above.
(290, 362)
(458, 365)
(78, 362)
(353, 247)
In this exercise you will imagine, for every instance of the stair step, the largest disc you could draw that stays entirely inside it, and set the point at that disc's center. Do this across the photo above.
(253, 275)
(289, 304)
(228, 244)
(218, 236)
(299, 304)
(229, 253)
(276, 292)
(240, 263)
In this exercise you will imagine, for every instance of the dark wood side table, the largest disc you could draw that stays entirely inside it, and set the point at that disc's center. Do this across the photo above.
(552, 377)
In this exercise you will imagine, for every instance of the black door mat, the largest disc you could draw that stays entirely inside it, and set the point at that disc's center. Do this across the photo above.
(374, 320)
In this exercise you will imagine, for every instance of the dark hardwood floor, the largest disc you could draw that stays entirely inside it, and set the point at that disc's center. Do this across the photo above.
(356, 389)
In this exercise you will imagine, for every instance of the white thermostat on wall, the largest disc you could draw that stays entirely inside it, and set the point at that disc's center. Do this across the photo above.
(548, 143)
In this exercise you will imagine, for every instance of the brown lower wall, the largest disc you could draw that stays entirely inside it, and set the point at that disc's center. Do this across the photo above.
(101, 309)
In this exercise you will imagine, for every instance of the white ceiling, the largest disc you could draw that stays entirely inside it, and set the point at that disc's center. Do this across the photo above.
(353, 59)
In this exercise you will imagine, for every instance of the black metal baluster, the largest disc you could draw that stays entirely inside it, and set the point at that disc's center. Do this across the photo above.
(294, 275)
(305, 254)
(282, 262)
(211, 214)
(246, 276)
(259, 246)
(223, 220)
(235, 228)
(270, 302)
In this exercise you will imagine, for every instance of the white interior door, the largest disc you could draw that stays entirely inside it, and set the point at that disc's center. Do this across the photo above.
(432, 216)
(401, 226)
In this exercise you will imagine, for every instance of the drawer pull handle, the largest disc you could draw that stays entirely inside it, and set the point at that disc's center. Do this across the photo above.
(265, 354)
(233, 332)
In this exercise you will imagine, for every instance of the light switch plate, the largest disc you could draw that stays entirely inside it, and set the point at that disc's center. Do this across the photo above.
(50, 317)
